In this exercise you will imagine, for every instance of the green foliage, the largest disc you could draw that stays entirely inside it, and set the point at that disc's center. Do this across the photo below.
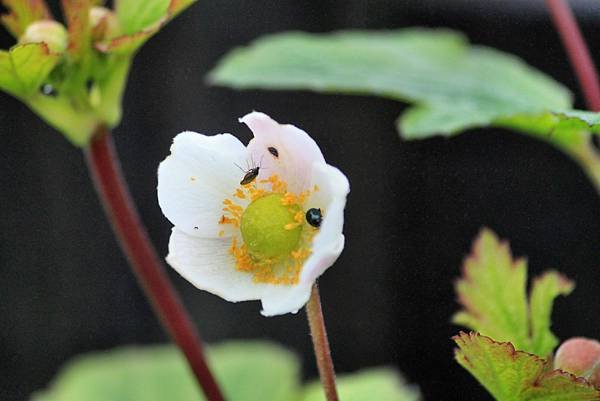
(492, 291)
(377, 384)
(455, 85)
(246, 371)
(511, 375)
(137, 15)
(139, 20)
(88, 79)
(24, 68)
(545, 289)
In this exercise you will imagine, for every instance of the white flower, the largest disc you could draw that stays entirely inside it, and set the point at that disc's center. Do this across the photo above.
(261, 240)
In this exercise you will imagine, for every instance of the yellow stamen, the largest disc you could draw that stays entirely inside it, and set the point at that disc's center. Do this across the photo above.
(281, 270)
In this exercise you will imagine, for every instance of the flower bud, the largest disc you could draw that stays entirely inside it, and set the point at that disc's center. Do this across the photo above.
(104, 23)
(581, 357)
(52, 33)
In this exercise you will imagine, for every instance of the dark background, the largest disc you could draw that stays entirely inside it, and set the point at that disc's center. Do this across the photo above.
(414, 207)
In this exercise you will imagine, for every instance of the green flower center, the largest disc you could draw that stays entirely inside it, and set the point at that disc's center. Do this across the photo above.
(269, 228)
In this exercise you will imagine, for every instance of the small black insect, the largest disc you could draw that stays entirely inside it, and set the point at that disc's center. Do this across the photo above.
(250, 175)
(273, 151)
(314, 217)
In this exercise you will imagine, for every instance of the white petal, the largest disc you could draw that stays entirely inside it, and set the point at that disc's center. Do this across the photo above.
(279, 300)
(327, 244)
(297, 151)
(195, 179)
(331, 199)
(208, 264)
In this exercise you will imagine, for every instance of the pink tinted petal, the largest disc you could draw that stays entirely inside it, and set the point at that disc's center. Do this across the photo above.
(333, 187)
(296, 150)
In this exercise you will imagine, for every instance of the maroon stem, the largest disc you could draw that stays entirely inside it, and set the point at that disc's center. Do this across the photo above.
(321, 344)
(577, 50)
(105, 169)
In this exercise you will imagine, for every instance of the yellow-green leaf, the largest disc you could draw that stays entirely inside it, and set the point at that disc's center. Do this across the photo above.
(248, 371)
(140, 20)
(493, 293)
(24, 68)
(511, 375)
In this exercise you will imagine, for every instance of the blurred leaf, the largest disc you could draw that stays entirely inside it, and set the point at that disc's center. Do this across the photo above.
(545, 289)
(456, 85)
(511, 375)
(22, 13)
(139, 20)
(24, 68)
(248, 371)
(492, 291)
(377, 384)
(136, 15)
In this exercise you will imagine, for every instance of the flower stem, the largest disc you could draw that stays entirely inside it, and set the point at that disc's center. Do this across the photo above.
(105, 170)
(321, 344)
(577, 50)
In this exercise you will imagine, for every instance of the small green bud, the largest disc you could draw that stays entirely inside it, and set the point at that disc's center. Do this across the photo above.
(270, 229)
(52, 33)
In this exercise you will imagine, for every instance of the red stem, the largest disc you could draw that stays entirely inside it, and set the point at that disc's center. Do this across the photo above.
(105, 169)
(321, 344)
(577, 50)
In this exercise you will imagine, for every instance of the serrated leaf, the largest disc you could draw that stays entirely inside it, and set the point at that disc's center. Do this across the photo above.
(248, 371)
(492, 291)
(377, 384)
(138, 27)
(511, 375)
(22, 13)
(545, 289)
(24, 68)
(457, 85)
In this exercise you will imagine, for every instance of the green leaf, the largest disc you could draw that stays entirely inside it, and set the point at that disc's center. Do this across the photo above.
(248, 371)
(24, 68)
(22, 13)
(511, 375)
(456, 85)
(138, 26)
(545, 289)
(492, 291)
(136, 15)
(377, 384)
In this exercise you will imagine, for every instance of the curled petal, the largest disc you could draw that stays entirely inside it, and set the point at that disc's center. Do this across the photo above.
(296, 151)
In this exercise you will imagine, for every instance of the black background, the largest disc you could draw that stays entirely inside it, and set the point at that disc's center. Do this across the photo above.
(414, 207)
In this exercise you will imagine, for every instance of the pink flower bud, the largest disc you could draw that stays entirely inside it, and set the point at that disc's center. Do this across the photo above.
(581, 357)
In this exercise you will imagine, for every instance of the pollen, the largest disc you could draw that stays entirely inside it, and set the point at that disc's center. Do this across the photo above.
(271, 253)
